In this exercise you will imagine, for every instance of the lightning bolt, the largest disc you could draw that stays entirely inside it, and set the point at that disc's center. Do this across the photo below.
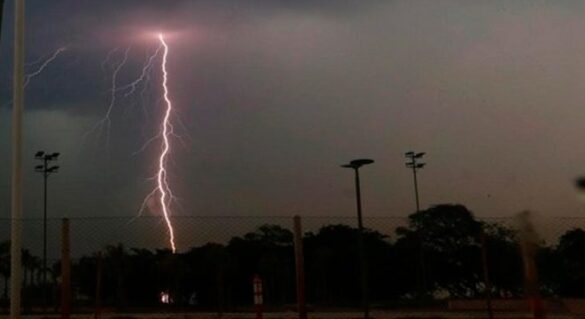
(144, 75)
(163, 185)
(46, 60)
(108, 58)
(162, 192)
(105, 122)
(42, 67)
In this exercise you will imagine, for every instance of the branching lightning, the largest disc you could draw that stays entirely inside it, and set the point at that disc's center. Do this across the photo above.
(108, 58)
(131, 87)
(105, 122)
(46, 60)
(162, 193)
(163, 185)
(42, 67)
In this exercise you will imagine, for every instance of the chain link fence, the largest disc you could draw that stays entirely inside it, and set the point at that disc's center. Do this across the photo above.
(433, 264)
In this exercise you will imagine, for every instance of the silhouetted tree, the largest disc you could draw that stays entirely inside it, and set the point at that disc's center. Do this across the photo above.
(504, 261)
(448, 247)
(268, 252)
(115, 273)
(205, 281)
(570, 259)
(332, 264)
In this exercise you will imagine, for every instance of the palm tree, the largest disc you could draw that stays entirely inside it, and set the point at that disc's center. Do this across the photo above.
(26, 260)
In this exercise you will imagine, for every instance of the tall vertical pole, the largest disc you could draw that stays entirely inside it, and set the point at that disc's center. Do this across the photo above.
(300, 268)
(98, 286)
(16, 200)
(46, 171)
(415, 186)
(65, 271)
(413, 156)
(355, 165)
(45, 288)
(528, 247)
(486, 276)
(422, 270)
(362, 253)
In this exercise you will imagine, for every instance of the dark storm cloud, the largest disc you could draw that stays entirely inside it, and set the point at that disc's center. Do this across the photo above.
(275, 94)
(89, 29)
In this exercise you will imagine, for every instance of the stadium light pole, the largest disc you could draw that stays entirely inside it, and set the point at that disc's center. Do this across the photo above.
(16, 175)
(355, 165)
(46, 169)
(414, 165)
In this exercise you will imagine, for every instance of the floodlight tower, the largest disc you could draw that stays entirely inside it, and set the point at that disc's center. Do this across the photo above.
(415, 165)
(355, 165)
(46, 169)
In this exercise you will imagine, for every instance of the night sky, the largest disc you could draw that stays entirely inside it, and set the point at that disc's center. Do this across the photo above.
(272, 96)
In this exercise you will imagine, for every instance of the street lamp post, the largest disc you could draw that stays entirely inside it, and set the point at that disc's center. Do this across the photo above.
(414, 165)
(46, 169)
(355, 165)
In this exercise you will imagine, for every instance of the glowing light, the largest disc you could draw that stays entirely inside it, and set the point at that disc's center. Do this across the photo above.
(165, 298)
(167, 129)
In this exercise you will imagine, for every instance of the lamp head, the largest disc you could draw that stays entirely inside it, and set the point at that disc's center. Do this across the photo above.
(357, 163)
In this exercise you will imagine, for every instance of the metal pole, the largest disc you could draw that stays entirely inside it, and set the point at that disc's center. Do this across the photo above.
(300, 268)
(16, 200)
(45, 288)
(421, 237)
(415, 186)
(486, 276)
(98, 286)
(412, 156)
(65, 271)
(362, 254)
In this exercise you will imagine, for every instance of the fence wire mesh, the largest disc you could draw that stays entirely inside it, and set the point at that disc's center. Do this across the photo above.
(125, 264)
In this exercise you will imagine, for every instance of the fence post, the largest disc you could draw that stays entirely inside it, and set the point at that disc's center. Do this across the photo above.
(258, 299)
(98, 285)
(528, 246)
(486, 275)
(422, 277)
(300, 267)
(65, 271)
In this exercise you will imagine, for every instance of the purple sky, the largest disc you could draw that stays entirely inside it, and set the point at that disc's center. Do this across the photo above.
(275, 95)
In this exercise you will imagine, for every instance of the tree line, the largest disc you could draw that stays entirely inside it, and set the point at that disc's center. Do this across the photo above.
(437, 255)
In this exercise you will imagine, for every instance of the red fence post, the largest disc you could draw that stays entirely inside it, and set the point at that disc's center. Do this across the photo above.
(300, 269)
(258, 300)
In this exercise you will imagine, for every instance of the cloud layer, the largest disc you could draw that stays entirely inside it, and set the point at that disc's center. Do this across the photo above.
(275, 95)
